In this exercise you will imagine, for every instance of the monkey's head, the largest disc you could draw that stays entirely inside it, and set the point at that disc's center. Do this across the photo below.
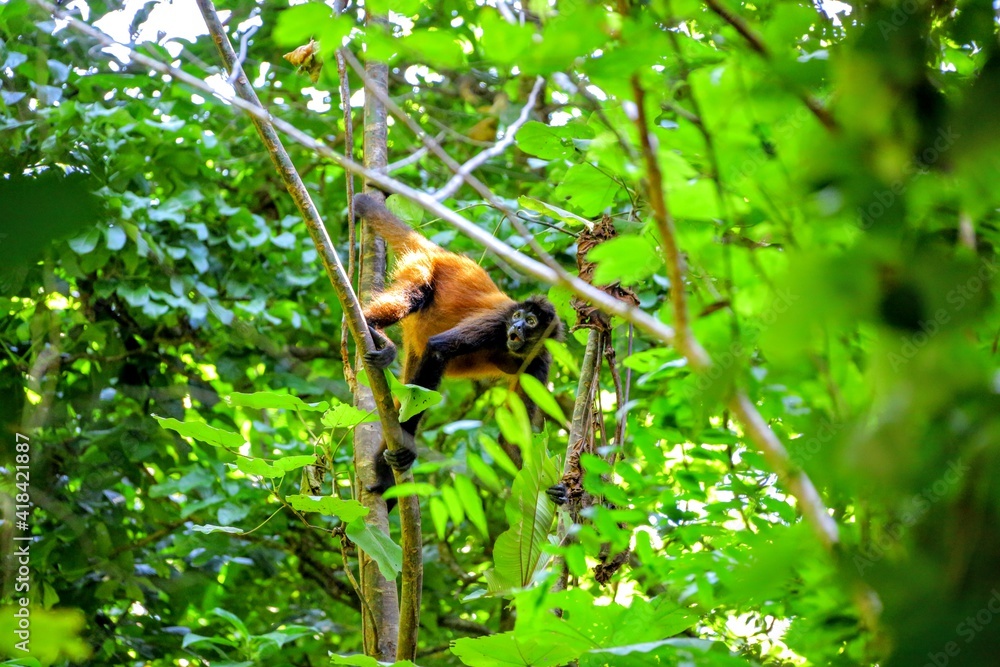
(530, 322)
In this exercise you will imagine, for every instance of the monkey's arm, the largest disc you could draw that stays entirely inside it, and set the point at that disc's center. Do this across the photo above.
(486, 332)
(470, 336)
(405, 297)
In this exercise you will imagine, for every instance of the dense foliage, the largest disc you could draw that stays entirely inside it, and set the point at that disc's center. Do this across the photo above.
(172, 349)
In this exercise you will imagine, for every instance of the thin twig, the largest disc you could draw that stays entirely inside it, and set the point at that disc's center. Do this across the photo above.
(758, 45)
(352, 251)
(496, 149)
(755, 428)
(415, 156)
(242, 56)
(686, 341)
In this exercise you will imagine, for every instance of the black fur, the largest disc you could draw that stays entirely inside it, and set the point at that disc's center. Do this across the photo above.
(487, 332)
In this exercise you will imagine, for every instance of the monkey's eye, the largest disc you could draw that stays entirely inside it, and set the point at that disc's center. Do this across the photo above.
(531, 320)
(518, 315)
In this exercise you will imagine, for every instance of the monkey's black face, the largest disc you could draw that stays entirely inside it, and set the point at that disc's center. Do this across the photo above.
(532, 320)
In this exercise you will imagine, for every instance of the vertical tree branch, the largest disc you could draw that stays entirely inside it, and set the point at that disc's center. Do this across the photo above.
(579, 425)
(382, 628)
(685, 340)
(405, 633)
(381, 396)
(345, 105)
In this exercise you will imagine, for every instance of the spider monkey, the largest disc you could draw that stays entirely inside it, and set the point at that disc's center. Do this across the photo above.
(456, 323)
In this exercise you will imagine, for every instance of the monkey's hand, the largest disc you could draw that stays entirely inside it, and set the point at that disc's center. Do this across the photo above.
(558, 493)
(385, 352)
(401, 459)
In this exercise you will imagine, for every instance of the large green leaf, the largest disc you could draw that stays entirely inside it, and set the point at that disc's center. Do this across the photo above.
(203, 432)
(378, 545)
(518, 554)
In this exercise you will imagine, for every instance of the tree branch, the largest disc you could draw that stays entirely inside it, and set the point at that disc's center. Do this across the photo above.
(496, 149)
(810, 503)
(760, 47)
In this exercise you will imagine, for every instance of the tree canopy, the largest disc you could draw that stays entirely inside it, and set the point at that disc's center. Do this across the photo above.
(769, 228)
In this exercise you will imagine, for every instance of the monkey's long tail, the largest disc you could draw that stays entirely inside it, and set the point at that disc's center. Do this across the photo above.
(399, 235)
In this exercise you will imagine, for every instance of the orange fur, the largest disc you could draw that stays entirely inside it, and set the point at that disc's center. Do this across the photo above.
(460, 289)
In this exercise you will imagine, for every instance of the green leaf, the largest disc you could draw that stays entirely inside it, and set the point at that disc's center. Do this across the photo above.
(295, 25)
(405, 209)
(360, 660)
(485, 473)
(439, 516)
(518, 553)
(378, 545)
(512, 428)
(136, 296)
(14, 60)
(342, 415)
(472, 504)
(506, 649)
(258, 467)
(694, 201)
(289, 463)
(422, 489)
(114, 237)
(191, 639)
(262, 400)
(412, 399)
(577, 31)
(496, 452)
(454, 505)
(561, 354)
(437, 48)
(542, 397)
(626, 259)
(402, 7)
(203, 432)
(346, 510)
(553, 211)
(234, 620)
(549, 142)
(586, 189)
(84, 244)
(503, 42)
(210, 528)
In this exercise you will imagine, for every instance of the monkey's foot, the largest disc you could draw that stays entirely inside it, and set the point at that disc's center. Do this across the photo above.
(384, 352)
(558, 493)
(381, 358)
